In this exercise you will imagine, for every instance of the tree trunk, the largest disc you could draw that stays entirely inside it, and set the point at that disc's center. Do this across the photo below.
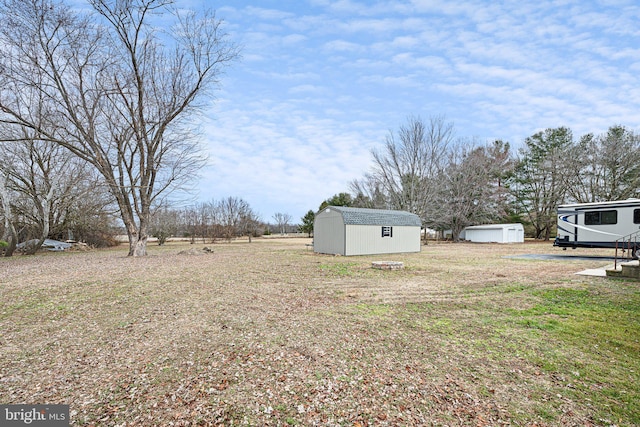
(456, 229)
(137, 236)
(137, 245)
(539, 231)
(11, 237)
(44, 211)
(31, 249)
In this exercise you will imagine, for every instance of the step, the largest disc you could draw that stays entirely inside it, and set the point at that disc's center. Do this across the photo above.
(629, 270)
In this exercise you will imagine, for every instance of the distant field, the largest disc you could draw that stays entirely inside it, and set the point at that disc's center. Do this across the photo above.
(269, 333)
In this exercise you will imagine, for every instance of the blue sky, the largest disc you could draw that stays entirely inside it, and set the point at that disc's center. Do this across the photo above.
(322, 82)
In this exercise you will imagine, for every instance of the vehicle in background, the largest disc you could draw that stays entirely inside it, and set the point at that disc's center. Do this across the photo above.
(613, 224)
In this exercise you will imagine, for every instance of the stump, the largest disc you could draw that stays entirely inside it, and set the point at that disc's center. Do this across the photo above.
(387, 265)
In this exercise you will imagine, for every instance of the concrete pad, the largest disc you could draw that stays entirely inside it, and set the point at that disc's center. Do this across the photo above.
(599, 272)
(562, 257)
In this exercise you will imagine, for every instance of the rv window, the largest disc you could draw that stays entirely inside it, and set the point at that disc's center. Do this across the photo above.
(591, 218)
(601, 218)
(609, 217)
(387, 231)
(636, 216)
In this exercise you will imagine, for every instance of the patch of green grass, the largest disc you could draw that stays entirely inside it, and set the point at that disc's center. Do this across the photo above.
(373, 310)
(31, 306)
(584, 317)
(596, 338)
(515, 288)
(339, 269)
(586, 338)
(537, 323)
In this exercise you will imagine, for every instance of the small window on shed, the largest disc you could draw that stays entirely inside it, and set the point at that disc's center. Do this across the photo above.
(387, 231)
(636, 216)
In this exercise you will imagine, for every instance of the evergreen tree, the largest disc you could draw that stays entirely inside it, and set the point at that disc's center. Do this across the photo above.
(307, 222)
(542, 175)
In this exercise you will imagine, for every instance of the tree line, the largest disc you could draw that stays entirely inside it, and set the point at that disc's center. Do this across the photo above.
(422, 168)
(452, 183)
(224, 219)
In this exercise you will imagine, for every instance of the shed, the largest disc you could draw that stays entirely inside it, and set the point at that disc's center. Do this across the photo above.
(495, 233)
(358, 231)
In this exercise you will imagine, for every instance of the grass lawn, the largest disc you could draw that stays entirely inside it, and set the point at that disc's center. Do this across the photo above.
(269, 333)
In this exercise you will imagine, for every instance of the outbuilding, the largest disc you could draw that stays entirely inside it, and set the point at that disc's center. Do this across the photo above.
(495, 233)
(357, 231)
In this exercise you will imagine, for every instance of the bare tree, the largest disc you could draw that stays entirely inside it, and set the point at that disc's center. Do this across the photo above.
(190, 222)
(198, 221)
(368, 193)
(91, 219)
(48, 192)
(470, 188)
(608, 167)
(409, 163)
(249, 223)
(235, 216)
(164, 223)
(49, 181)
(282, 220)
(112, 91)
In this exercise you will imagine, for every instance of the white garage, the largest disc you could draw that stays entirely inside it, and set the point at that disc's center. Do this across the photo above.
(495, 233)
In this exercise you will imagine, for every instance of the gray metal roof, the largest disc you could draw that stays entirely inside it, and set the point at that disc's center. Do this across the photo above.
(362, 216)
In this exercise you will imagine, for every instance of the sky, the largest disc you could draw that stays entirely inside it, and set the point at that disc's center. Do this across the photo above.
(323, 82)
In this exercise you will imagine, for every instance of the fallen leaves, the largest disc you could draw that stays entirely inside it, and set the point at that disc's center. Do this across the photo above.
(253, 335)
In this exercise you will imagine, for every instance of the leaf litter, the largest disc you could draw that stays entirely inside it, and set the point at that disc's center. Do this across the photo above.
(266, 334)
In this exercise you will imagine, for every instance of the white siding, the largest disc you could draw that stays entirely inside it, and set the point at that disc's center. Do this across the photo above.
(329, 233)
(351, 232)
(495, 233)
(608, 232)
(367, 239)
(484, 235)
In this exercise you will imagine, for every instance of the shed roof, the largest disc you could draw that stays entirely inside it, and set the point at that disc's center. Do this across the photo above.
(362, 216)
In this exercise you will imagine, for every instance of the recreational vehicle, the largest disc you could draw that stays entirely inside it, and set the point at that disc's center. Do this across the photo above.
(600, 225)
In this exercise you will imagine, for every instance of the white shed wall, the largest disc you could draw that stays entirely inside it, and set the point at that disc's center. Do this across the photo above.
(484, 236)
(498, 233)
(367, 240)
(329, 233)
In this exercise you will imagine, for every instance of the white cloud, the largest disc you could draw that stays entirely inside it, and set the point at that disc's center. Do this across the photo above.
(310, 89)
(267, 14)
(274, 155)
(341, 46)
(322, 82)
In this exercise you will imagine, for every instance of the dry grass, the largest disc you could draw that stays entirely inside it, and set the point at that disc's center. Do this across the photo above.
(269, 333)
